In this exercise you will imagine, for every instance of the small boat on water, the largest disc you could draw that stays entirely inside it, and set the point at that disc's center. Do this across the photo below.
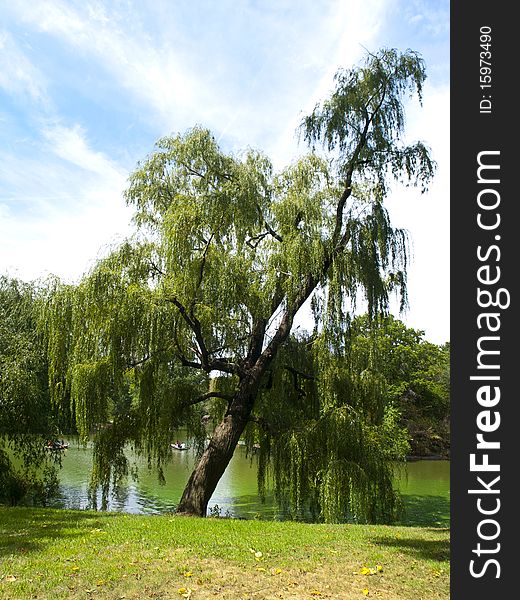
(56, 445)
(179, 446)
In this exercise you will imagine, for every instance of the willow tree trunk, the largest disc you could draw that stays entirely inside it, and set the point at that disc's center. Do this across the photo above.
(216, 456)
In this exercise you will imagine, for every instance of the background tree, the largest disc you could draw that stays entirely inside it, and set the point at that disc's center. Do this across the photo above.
(225, 255)
(26, 416)
(416, 375)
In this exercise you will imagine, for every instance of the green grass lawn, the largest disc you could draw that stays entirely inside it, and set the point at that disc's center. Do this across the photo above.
(47, 553)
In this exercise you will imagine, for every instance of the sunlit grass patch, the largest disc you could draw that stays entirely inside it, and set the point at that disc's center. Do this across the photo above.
(79, 554)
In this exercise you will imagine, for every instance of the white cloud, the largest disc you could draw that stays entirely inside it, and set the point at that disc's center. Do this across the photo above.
(247, 70)
(183, 80)
(427, 217)
(59, 245)
(18, 75)
(433, 16)
(336, 40)
(65, 205)
(69, 143)
(154, 74)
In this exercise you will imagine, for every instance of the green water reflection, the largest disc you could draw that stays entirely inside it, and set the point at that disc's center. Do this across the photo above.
(424, 486)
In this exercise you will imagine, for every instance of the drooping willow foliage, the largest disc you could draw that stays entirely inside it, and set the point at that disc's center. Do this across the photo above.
(328, 439)
(26, 417)
(194, 312)
(115, 375)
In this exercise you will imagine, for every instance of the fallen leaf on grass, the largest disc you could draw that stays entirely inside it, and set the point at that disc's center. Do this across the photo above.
(365, 591)
(188, 574)
(369, 571)
(315, 593)
(10, 578)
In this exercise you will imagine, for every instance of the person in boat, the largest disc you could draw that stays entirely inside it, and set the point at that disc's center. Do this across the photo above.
(56, 445)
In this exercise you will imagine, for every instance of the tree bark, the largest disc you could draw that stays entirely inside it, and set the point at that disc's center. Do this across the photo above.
(216, 456)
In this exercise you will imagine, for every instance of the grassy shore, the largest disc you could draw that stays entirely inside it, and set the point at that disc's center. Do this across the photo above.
(47, 553)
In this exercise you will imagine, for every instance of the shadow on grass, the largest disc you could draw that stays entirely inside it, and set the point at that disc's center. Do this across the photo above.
(25, 530)
(438, 550)
(426, 511)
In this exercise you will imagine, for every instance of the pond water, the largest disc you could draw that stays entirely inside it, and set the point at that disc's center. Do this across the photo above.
(423, 484)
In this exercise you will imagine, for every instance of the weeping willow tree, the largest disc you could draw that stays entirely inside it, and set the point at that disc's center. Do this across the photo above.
(200, 303)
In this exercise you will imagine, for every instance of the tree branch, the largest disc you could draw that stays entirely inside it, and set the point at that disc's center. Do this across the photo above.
(273, 232)
(256, 238)
(209, 395)
(156, 269)
(300, 373)
(256, 341)
(348, 182)
(131, 364)
(201, 274)
(194, 324)
(270, 230)
(353, 163)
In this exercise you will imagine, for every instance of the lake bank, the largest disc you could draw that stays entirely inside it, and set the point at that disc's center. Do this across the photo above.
(424, 486)
(57, 554)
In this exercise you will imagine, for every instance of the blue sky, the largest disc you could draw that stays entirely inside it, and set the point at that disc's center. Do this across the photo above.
(86, 88)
